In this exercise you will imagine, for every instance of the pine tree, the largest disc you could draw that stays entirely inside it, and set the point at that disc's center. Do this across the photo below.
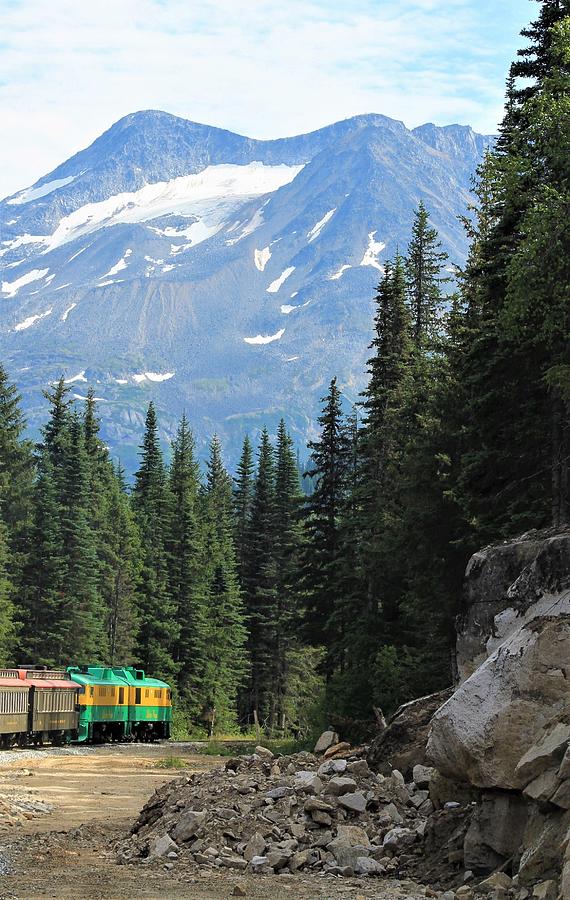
(81, 619)
(225, 657)
(185, 559)
(330, 466)
(261, 584)
(158, 629)
(243, 503)
(424, 263)
(288, 556)
(514, 471)
(16, 485)
(116, 537)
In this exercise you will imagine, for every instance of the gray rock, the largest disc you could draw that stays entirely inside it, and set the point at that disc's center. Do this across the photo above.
(495, 831)
(355, 802)
(365, 865)
(340, 785)
(188, 824)
(562, 796)
(321, 818)
(308, 783)
(358, 768)
(255, 846)
(278, 859)
(344, 845)
(313, 804)
(277, 793)
(543, 787)
(263, 752)
(398, 838)
(232, 861)
(422, 775)
(326, 740)
(332, 767)
(564, 771)
(548, 751)
(162, 846)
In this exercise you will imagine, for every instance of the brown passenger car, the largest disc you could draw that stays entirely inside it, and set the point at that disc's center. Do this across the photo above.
(37, 705)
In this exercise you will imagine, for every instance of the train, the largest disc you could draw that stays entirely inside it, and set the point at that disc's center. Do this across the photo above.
(82, 704)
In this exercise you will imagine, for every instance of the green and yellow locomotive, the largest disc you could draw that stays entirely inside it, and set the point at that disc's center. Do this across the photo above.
(82, 703)
(121, 703)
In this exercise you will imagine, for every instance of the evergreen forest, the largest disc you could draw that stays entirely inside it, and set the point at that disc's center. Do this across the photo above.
(294, 599)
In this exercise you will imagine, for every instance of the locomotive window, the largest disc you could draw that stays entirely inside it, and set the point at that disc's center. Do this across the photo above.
(158, 694)
(91, 691)
(121, 695)
(147, 693)
(137, 695)
(169, 695)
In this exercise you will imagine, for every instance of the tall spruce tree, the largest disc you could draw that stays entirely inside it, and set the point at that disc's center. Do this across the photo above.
(514, 472)
(424, 263)
(261, 585)
(329, 469)
(225, 658)
(243, 503)
(158, 628)
(185, 561)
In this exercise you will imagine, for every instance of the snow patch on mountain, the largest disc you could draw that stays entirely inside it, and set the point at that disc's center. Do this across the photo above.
(275, 285)
(340, 272)
(153, 376)
(286, 308)
(79, 377)
(69, 308)
(265, 338)
(21, 241)
(31, 320)
(11, 288)
(316, 229)
(119, 266)
(370, 257)
(261, 258)
(185, 195)
(32, 193)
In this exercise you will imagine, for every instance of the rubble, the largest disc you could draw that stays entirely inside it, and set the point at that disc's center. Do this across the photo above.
(285, 815)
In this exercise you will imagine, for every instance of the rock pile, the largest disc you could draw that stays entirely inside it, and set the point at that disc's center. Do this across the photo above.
(287, 814)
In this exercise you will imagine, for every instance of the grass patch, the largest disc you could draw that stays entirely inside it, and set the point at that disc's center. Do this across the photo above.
(171, 762)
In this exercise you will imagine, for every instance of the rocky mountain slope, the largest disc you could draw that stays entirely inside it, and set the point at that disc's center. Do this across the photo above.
(214, 273)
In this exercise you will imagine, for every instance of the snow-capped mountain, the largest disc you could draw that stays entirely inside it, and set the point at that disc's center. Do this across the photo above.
(216, 274)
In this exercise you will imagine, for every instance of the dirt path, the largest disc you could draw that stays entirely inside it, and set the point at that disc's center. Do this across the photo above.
(96, 793)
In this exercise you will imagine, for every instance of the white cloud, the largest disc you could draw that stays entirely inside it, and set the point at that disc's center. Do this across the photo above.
(260, 67)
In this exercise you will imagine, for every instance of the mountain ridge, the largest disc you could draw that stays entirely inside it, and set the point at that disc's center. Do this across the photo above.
(238, 284)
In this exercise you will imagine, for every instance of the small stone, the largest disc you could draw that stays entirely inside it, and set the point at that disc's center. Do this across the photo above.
(188, 824)
(233, 862)
(562, 796)
(546, 890)
(447, 895)
(367, 866)
(496, 881)
(332, 767)
(340, 785)
(358, 768)
(326, 740)
(422, 775)
(255, 846)
(313, 804)
(452, 804)
(337, 749)
(277, 793)
(308, 783)
(162, 845)
(353, 802)
(278, 859)
(321, 818)
(239, 891)
(264, 752)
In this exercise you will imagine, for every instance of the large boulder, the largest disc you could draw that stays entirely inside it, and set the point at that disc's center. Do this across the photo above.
(514, 646)
(501, 583)
(403, 744)
(494, 717)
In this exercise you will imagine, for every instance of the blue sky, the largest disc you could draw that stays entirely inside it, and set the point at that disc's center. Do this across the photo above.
(266, 68)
